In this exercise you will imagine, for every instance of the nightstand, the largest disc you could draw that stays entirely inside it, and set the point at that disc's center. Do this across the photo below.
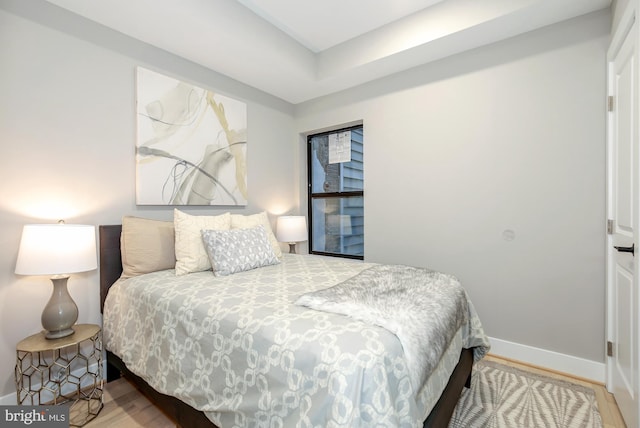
(66, 370)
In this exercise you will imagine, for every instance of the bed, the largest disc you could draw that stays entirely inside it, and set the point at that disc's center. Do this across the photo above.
(270, 368)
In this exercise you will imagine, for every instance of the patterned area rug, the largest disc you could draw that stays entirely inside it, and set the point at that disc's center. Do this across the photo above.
(506, 397)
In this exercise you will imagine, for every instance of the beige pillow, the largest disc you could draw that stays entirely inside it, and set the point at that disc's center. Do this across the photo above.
(191, 255)
(239, 221)
(146, 246)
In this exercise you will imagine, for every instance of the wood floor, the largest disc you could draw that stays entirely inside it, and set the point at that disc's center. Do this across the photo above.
(126, 407)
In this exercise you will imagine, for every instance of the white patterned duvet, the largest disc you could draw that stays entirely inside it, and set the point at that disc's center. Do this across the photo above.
(237, 348)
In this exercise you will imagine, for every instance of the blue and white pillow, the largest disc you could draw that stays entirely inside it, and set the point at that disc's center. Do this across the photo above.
(238, 250)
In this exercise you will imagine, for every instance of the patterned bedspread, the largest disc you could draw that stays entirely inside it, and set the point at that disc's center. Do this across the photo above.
(238, 348)
(423, 308)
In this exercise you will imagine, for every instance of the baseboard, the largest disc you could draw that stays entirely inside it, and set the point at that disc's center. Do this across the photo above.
(8, 400)
(563, 363)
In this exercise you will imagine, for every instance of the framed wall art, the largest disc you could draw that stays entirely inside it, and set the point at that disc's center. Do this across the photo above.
(191, 145)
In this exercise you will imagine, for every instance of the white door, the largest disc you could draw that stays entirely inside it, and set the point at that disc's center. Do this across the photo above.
(622, 269)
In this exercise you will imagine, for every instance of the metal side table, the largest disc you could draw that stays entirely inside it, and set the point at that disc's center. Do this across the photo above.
(62, 371)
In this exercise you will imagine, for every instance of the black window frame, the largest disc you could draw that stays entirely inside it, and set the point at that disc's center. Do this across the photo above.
(311, 196)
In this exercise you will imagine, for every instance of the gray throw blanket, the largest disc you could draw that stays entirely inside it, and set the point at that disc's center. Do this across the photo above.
(423, 308)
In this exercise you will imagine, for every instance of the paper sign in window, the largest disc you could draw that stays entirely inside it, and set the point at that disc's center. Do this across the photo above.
(340, 147)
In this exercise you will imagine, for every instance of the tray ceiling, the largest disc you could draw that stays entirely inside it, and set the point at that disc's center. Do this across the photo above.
(299, 50)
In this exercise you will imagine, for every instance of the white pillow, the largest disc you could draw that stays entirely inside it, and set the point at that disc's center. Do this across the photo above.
(238, 250)
(191, 255)
(239, 221)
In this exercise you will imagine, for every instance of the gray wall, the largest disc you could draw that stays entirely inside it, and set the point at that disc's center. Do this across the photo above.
(505, 140)
(506, 137)
(67, 133)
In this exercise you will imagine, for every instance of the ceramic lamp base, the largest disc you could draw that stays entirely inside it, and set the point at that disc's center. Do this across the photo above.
(60, 333)
(61, 312)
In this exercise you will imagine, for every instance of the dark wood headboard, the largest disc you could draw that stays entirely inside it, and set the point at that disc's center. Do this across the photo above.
(110, 260)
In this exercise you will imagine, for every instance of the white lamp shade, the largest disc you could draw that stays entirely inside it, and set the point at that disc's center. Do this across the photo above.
(291, 228)
(54, 249)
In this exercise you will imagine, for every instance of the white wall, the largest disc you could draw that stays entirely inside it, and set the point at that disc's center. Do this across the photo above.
(67, 137)
(509, 137)
(618, 7)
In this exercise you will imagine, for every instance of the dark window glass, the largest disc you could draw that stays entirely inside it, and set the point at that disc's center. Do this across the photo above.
(336, 185)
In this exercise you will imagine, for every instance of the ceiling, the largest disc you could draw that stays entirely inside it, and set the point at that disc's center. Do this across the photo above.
(298, 50)
(319, 25)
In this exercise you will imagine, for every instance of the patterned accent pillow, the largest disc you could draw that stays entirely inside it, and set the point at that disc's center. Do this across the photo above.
(191, 255)
(238, 250)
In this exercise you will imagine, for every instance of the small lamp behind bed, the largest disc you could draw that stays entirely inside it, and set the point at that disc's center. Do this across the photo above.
(291, 229)
(57, 250)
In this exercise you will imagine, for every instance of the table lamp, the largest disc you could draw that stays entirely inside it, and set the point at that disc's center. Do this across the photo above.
(57, 250)
(291, 229)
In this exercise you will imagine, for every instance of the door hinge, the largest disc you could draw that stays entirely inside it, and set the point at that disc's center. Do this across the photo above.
(609, 348)
(610, 103)
(609, 227)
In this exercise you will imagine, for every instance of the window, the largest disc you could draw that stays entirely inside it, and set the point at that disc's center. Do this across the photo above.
(336, 197)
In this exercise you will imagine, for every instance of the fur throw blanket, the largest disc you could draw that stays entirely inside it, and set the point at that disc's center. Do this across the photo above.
(423, 308)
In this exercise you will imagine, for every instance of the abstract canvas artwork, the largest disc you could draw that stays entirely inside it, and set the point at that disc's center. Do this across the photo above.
(191, 146)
